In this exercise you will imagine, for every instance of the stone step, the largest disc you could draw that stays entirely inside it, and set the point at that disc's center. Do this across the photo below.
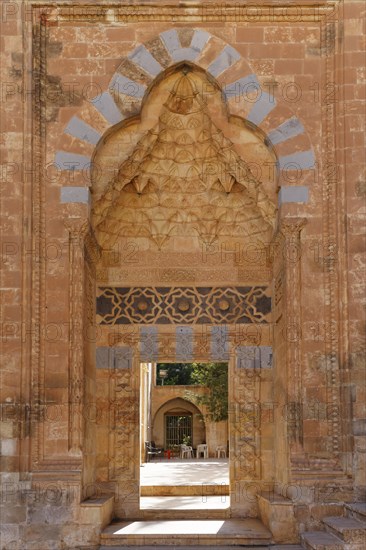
(186, 507)
(150, 515)
(286, 547)
(231, 532)
(350, 530)
(321, 540)
(185, 490)
(356, 510)
(193, 547)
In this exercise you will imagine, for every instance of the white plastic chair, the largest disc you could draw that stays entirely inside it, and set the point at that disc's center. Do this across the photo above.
(186, 451)
(202, 450)
(220, 450)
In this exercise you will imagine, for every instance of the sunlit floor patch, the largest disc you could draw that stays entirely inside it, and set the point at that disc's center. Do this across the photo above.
(190, 547)
(185, 503)
(248, 528)
(185, 472)
(191, 527)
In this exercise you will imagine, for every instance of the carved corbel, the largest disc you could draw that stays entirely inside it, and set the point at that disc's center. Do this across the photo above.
(291, 227)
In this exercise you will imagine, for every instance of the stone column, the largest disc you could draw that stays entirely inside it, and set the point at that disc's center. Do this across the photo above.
(244, 429)
(126, 428)
(291, 230)
(78, 229)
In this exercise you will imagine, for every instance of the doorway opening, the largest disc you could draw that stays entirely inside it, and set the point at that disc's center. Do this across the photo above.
(177, 428)
(184, 436)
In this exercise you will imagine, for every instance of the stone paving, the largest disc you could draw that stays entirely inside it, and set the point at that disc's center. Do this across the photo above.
(207, 532)
(174, 547)
(185, 472)
(185, 503)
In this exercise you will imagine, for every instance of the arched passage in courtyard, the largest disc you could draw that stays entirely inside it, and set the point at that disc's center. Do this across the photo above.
(190, 422)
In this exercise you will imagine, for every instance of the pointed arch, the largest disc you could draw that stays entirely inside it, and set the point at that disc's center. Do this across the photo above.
(241, 91)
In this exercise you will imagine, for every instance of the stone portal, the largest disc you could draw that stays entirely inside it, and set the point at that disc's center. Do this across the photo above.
(176, 186)
(174, 182)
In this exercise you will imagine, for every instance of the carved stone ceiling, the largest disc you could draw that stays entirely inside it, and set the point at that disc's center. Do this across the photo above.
(180, 172)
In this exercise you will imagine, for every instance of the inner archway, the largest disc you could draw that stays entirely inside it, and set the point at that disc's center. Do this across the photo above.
(177, 420)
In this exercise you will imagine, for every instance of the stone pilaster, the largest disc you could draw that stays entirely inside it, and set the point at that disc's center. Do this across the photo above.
(291, 231)
(78, 229)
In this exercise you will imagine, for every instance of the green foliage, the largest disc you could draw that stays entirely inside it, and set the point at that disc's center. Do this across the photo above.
(215, 377)
(186, 440)
(179, 374)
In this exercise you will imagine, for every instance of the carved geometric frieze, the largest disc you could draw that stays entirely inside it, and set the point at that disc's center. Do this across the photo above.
(184, 343)
(125, 427)
(183, 305)
(245, 407)
(181, 343)
(220, 343)
(149, 345)
(189, 275)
